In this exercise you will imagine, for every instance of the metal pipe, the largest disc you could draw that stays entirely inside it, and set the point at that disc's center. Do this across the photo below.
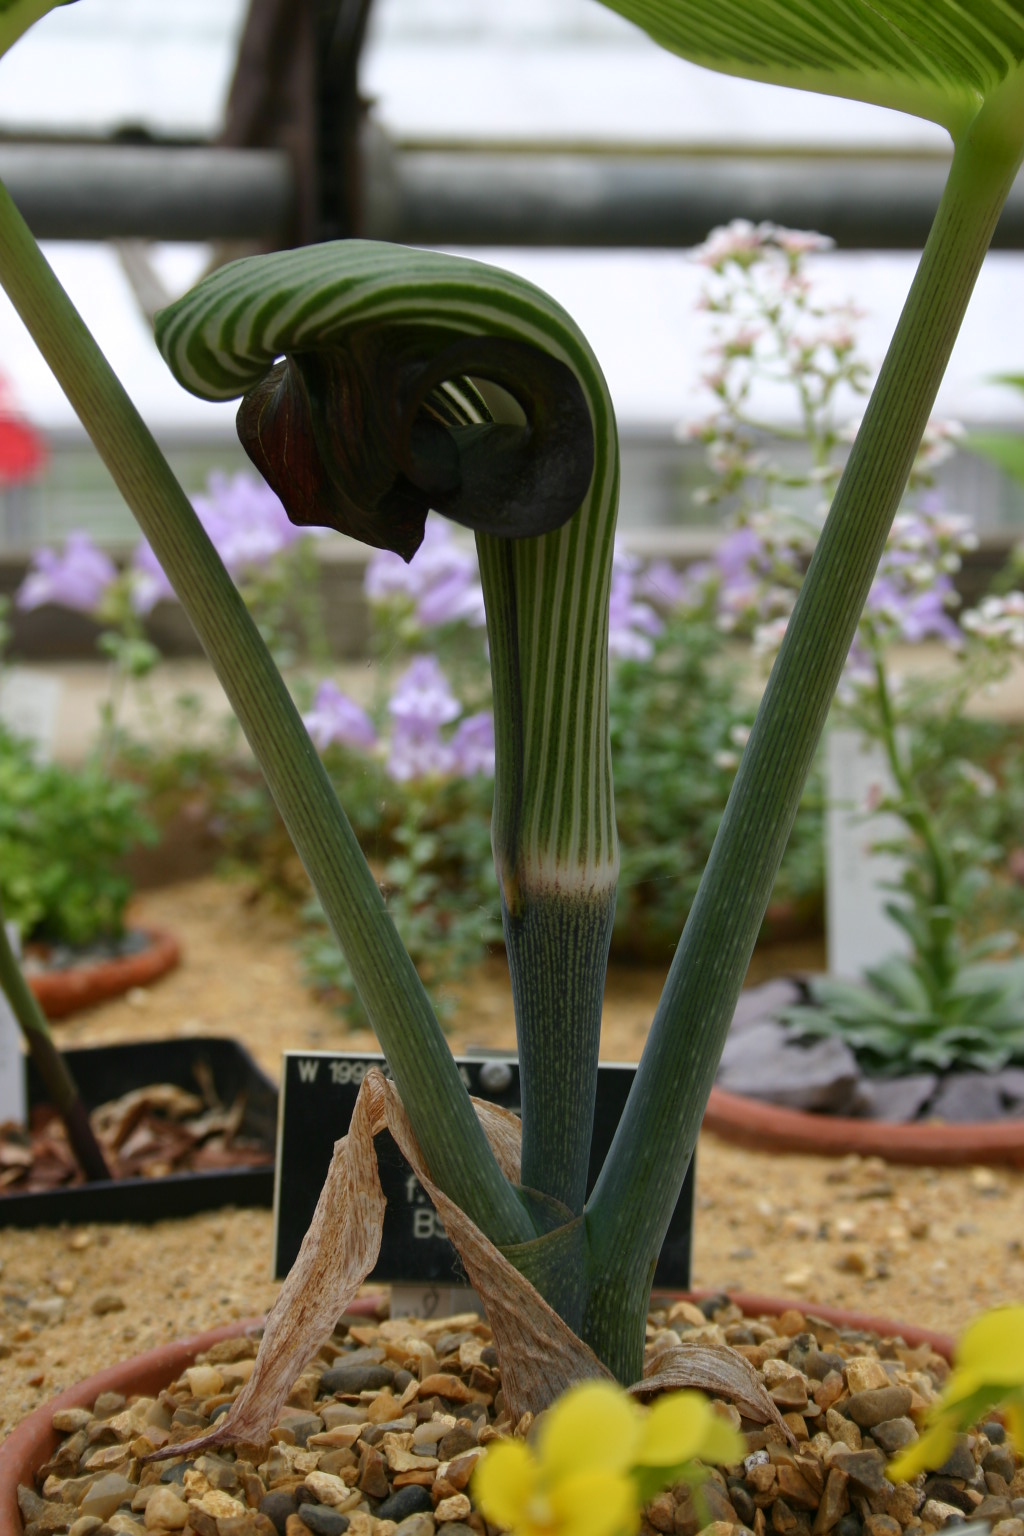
(470, 197)
(457, 196)
(68, 191)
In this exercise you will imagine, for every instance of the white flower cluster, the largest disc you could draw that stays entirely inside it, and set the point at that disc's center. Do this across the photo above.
(743, 243)
(998, 621)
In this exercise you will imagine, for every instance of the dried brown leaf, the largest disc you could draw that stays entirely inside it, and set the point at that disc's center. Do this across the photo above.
(717, 1370)
(540, 1355)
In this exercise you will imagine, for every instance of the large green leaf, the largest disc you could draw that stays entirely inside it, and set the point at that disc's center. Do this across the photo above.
(938, 59)
(16, 16)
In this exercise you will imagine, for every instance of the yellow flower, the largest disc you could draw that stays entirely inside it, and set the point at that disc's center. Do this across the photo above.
(988, 1370)
(596, 1453)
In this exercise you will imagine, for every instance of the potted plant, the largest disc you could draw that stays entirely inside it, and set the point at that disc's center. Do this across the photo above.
(928, 1031)
(67, 832)
(378, 383)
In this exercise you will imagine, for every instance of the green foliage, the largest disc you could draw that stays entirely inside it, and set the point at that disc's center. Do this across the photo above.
(429, 847)
(63, 835)
(946, 1005)
(901, 1019)
(1004, 449)
(679, 721)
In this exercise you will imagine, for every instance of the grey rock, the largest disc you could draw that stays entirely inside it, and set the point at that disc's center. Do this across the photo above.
(42, 1512)
(741, 1501)
(411, 1500)
(898, 1099)
(460, 1438)
(349, 1379)
(322, 1520)
(302, 1424)
(763, 1063)
(1000, 1459)
(373, 1434)
(787, 1521)
(994, 1507)
(106, 1494)
(760, 1003)
(960, 1462)
(1011, 1086)
(176, 1474)
(878, 1404)
(277, 1506)
(419, 1524)
(220, 1473)
(893, 1434)
(968, 1096)
(718, 1503)
(865, 1469)
(814, 1362)
(948, 1490)
(363, 1354)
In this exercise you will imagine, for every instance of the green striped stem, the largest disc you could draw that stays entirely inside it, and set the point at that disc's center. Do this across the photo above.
(638, 1187)
(554, 832)
(329, 310)
(445, 1124)
(53, 1070)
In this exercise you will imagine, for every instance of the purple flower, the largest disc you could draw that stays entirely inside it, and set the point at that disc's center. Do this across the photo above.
(149, 583)
(665, 586)
(245, 520)
(418, 752)
(76, 578)
(421, 705)
(926, 614)
(422, 699)
(631, 623)
(472, 745)
(337, 720)
(739, 554)
(440, 582)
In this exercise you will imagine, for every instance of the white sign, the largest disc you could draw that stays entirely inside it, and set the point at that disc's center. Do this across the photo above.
(860, 932)
(29, 702)
(12, 1061)
(433, 1300)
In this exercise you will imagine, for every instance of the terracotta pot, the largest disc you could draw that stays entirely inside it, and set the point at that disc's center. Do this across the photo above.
(770, 1128)
(767, 1127)
(34, 1440)
(63, 992)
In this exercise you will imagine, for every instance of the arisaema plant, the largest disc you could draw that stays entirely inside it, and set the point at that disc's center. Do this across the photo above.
(377, 383)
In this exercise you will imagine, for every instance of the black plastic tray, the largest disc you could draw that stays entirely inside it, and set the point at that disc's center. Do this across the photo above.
(105, 1072)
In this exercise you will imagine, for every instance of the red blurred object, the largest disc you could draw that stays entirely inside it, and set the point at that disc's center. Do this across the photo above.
(22, 450)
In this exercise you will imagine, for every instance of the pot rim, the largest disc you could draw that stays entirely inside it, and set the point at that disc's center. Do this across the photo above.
(60, 993)
(766, 1127)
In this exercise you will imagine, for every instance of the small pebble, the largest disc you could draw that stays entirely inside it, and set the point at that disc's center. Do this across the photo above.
(322, 1520)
